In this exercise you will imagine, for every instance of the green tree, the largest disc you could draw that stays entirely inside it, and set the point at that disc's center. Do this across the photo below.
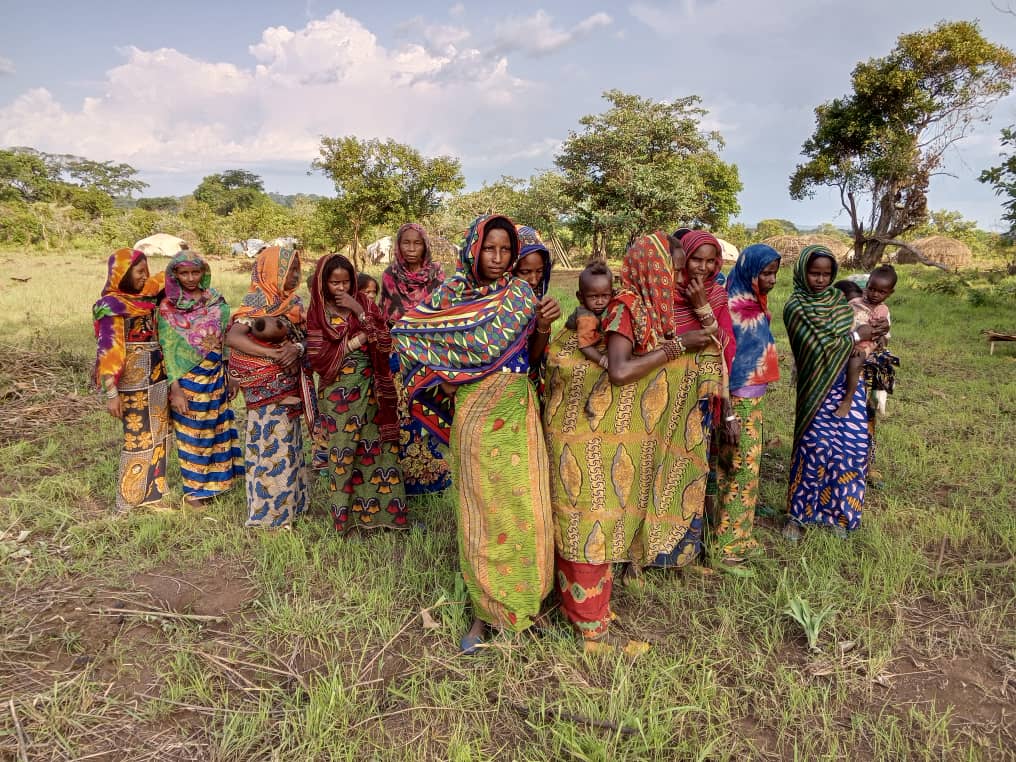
(266, 220)
(1003, 179)
(160, 204)
(644, 164)
(24, 177)
(228, 191)
(382, 182)
(773, 227)
(880, 145)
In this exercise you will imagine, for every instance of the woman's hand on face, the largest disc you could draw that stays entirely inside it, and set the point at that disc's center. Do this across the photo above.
(697, 293)
(695, 340)
(113, 407)
(344, 300)
(547, 311)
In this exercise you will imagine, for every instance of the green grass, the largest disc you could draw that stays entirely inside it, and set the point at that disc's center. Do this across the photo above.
(323, 655)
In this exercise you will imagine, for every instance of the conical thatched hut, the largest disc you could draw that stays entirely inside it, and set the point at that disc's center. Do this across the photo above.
(938, 248)
(790, 246)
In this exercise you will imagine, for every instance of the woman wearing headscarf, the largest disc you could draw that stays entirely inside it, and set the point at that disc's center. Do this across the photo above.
(407, 281)
(193, 318)
(830, 455)
(349, 346)
(130, 373)
(755, 366)
(474, 337)
(279, 393)
(534, 266)
(627, 445)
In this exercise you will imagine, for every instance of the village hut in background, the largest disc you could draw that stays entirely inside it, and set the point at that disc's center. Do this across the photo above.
(161, 245)
(789, 246)
(937, 248)
(730, 252)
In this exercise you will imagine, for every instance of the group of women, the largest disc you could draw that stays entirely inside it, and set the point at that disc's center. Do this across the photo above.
(564, 469)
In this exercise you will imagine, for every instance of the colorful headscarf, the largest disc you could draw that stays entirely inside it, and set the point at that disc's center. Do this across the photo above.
(466, 330)
(818, 326)
(756, 361)
(190, 329)
(268, 296)
(327, 345)
(684, 313)
(401, 290)
(647, 293)
(113, 306)
(529, 242)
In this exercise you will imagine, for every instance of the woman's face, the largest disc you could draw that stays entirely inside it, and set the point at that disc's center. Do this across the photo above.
(412, 248)
(495, 254)
(189, 277)
(530, 269)
(138, 275)
(701, 263)
(293, 279)
(339, 282)
(767, 278)
(819, 274)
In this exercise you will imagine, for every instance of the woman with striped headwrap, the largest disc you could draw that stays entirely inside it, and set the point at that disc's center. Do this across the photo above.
(830, 456)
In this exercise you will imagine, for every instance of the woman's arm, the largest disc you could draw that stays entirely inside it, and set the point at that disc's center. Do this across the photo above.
(547, 311)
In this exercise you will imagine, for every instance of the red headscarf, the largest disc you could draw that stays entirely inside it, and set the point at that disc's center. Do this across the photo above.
(327, 345)
(684, 314)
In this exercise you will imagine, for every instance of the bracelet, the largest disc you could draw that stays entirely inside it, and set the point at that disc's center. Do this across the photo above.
(111, 394)
(856, 337)
(673, 349)
(704, 310)
(603, 362)
(543, 332)
(354, 343)
(730, 418)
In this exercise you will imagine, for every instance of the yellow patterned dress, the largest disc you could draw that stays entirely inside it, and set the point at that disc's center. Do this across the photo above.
(629, 463)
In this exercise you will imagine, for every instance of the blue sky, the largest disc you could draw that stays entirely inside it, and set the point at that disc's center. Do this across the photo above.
(180, 90)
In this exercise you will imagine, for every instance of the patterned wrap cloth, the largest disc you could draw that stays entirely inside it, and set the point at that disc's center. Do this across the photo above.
(475, 335)
(128, 352)
(192, 331)
(755, 361)
(403, 289)
(829, 463)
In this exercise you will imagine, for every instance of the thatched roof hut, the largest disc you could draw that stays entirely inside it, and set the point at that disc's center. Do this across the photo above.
(938, 248)
(161, 245)
(790, 246)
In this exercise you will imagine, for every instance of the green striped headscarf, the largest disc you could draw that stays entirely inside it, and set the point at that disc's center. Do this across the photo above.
(818, 326)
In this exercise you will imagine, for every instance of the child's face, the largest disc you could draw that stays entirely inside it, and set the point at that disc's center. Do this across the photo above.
(879, 289)
(767, 278)
(339, 282)
(595, 293)
(819, 274)
(371, 290)
(530, 269)
(189, 277)
(412, 247)
(495, 255)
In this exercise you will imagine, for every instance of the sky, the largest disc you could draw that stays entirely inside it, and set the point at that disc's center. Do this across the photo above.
(184, 89)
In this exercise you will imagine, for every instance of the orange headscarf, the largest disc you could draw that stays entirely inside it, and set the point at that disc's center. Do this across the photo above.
(113, 306)
(268, 296)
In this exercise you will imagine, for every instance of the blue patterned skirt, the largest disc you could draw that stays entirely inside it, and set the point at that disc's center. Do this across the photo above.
(276, 484)
(830, 464)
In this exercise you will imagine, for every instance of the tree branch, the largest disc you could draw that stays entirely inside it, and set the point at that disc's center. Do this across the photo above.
(907, 247)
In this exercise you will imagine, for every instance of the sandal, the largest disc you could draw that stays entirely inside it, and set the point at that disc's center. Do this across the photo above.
(792, 532)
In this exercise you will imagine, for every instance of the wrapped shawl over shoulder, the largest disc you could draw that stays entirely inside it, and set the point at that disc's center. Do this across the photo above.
(190, 328)
(113, 306)
(402, 289)
(755, 361)
(818, 326)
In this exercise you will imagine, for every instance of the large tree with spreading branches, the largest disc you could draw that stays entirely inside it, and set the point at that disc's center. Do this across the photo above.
(880, 146)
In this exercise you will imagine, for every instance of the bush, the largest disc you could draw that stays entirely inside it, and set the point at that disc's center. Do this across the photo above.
(20, 225)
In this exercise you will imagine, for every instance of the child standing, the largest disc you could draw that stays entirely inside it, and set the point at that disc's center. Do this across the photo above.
(596, 288)
(349, 345)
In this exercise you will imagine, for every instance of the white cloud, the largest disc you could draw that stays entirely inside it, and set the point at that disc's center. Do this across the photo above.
(164, 110)
(537, 35)
(436, 38)
(6, 66)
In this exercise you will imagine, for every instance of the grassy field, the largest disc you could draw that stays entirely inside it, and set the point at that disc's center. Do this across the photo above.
(184, 636)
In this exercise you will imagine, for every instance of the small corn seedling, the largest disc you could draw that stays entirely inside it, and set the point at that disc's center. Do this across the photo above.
(810, 621)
